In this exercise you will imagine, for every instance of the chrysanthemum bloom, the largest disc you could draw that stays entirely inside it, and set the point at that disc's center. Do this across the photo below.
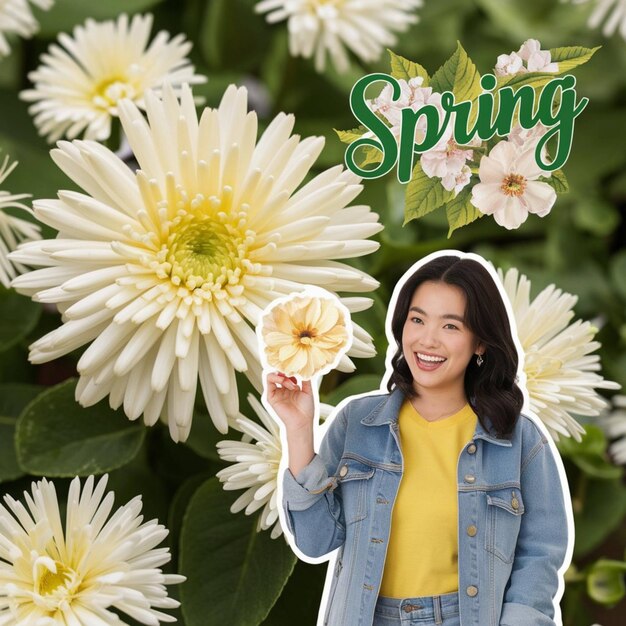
(318, 27)
(611, 12)
(614, 425)
(255, 467)
(529, 58)
(12, 229)
(53, 573)
(508, 188)
(559, 367)
(81, 81)
(166, 271)
(304, 335)
(16, 17)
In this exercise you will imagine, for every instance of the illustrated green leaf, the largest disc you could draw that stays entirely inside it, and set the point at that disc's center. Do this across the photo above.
(13, 398)
(460, 211)
(557, 181)
(18, 316)
(537, 80)
(605, 581)
(402, 68)
(226, 560)
(423, 195)
(55, 436)
(570, 57)
(458, 75)
(348, 136)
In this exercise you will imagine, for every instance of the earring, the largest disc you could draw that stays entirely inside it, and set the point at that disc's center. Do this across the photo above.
(479, 359)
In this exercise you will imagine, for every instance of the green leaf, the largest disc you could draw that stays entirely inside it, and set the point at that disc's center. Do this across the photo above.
(536, 80)
(65, 14)
(57, 437)
(402, 68)
(571, 56)
(458, 75)
(233, 36)
(557, 181)
(600, 506)
(18, 317)
(13, 399)
(460, 211)
(605, 581)
(226, 560)
(590, 453)
(618, 272)
(423, 195)
(354, 385)
(348, 136)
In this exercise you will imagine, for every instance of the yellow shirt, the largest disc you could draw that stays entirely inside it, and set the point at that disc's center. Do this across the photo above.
(422, 556)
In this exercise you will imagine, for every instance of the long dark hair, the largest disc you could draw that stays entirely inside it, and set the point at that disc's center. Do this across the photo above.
(490, 388)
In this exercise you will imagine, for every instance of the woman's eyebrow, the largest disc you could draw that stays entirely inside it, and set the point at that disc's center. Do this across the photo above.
(446, 316)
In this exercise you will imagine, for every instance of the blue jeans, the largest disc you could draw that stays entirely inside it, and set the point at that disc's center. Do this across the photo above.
(424, 611)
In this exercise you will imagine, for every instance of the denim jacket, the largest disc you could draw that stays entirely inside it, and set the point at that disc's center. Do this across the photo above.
(512, 517)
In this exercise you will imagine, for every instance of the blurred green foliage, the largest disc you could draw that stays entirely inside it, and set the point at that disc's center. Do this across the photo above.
(579, 247)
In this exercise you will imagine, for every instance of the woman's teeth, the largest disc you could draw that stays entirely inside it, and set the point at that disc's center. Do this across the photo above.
(430, 359)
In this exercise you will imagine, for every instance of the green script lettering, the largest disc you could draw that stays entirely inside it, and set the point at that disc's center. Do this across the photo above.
(556, 110)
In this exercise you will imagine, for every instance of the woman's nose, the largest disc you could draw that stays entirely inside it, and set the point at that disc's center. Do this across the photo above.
(429, 337)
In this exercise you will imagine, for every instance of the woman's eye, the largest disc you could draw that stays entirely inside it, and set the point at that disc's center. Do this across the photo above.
(451, 326)
(416, 320)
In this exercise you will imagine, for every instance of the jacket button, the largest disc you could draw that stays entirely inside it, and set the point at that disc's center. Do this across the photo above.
(469, 478)
(471, 591)
(471, 448)
(515, 503)
(472, 530)
(343, 471)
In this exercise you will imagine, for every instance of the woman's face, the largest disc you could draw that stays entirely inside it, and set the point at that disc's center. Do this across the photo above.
(436, 343)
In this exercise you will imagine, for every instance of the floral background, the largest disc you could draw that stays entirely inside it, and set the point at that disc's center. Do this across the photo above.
(565, 273)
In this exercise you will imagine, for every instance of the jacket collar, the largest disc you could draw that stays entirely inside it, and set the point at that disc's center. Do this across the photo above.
(387, 409)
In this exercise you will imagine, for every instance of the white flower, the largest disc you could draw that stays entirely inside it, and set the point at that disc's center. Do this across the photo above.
(537, 60)
(612, 12)
(529, 58)
(455, 181)
(255, 467)
(412, 96)
(12, 229)
(82, 80)
(16, 17)
(74, 573)
(318, 27)
(165, 272)
(447, 160)
(509, 64)
(614, 425)
(508, 188)
(558, 363)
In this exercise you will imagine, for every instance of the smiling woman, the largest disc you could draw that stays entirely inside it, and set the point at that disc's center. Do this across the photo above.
(446, 504)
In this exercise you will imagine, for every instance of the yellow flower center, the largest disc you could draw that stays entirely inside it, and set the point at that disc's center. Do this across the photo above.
(48, 582)
(513, 185)
(110, 91)
(305, 336)
(203, 248)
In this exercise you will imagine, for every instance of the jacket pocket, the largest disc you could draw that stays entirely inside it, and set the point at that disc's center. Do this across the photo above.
(354, 482)
(505, 508)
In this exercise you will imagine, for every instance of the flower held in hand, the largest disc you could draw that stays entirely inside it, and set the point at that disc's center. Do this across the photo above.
(305, 335)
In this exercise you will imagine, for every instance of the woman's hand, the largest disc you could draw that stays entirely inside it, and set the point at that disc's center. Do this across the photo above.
(295, 406)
